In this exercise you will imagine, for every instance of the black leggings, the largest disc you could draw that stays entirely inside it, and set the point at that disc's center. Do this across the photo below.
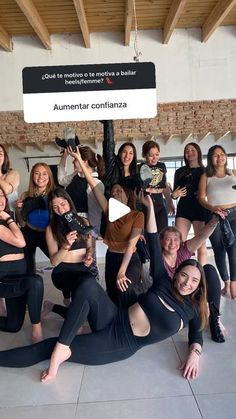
(220, 251)
(133, 272)
(33, 240)
(19, 290)
(67, 276)
(111, 338)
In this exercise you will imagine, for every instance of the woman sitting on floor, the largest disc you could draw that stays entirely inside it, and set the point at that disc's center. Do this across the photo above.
(69, 245)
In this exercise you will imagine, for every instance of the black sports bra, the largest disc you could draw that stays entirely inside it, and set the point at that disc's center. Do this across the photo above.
(6, 248)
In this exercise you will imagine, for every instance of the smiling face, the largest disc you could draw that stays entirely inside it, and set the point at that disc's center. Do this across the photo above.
(60, 205)
(187, 280)
(170, 242)
(191, 154)
(153, 156)
(40, 177)
(219, 158)
(127, 155)
(117, 192)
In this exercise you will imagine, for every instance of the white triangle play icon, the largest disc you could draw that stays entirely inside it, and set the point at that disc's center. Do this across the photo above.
(116, 209)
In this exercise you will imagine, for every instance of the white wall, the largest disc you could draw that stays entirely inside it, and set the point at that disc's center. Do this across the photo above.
(186, 68)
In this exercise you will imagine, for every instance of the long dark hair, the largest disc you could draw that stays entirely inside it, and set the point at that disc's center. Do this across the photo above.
(6, 209)
(94, 161)
(199, 296)
(210, 169)
(199, 153)
(133, 164)
(56, 224)
(6, 161)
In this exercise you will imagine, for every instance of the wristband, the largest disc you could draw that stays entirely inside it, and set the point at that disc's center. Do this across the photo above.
(12, 221)
(196, 351)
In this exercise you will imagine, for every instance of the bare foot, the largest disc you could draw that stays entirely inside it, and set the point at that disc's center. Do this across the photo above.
(233, 289)
(3, 310)
(37, 333)
(60, 354)
(47, 308)
(226, 290)
(223, 329)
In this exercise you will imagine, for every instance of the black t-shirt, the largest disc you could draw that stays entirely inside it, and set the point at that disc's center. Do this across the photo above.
(188, 177)
(158, 176)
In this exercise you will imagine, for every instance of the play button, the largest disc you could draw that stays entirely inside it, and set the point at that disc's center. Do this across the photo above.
(116, 209)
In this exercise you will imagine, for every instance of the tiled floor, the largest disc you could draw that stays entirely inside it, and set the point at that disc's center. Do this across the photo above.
(148, 385)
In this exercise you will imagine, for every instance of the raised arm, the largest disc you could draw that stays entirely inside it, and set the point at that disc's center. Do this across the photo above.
(196, 242)
(157, 268)
(101, 199)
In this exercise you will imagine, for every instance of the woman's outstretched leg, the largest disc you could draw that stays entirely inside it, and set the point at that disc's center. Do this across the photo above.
(27, 355)
(89, 302)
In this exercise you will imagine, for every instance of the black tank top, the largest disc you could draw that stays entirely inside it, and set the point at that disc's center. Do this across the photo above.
(6, 248)
(77, 190)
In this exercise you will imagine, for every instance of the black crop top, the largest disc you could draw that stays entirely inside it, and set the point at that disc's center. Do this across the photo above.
(162, 287)
(6, 248)
(79, 244)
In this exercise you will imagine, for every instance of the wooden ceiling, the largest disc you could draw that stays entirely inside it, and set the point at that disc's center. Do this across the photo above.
(43, 18)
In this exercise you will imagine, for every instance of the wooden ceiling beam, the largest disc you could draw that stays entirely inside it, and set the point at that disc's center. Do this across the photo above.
(79, 7)
(186, 137)
(220, 135)
(35, 20)
(5, 40)
(203, 136)
(128, 20)
(175, 11)
(167, 138)
(20, 146)
(39, 145)
(218, 14)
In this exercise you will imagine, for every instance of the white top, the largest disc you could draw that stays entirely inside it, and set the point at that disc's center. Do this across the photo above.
(219, 190)
(94, 209)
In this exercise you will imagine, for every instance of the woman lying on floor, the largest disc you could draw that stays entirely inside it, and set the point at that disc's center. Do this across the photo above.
(118, 333)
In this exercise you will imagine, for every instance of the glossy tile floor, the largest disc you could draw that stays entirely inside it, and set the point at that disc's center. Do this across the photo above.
(146, 386)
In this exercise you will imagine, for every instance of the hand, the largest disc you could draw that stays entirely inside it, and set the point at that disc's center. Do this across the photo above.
(4, 215)
(171, 208)
(88, 260)
(145, 199)
(75, 154)
(220, 211)
(122, 282)
(179, 192)
(190, 368)
(19, 203)
(71, 237)
(142, 238)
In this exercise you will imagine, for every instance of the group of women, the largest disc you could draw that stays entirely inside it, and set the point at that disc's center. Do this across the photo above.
(122, 320)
